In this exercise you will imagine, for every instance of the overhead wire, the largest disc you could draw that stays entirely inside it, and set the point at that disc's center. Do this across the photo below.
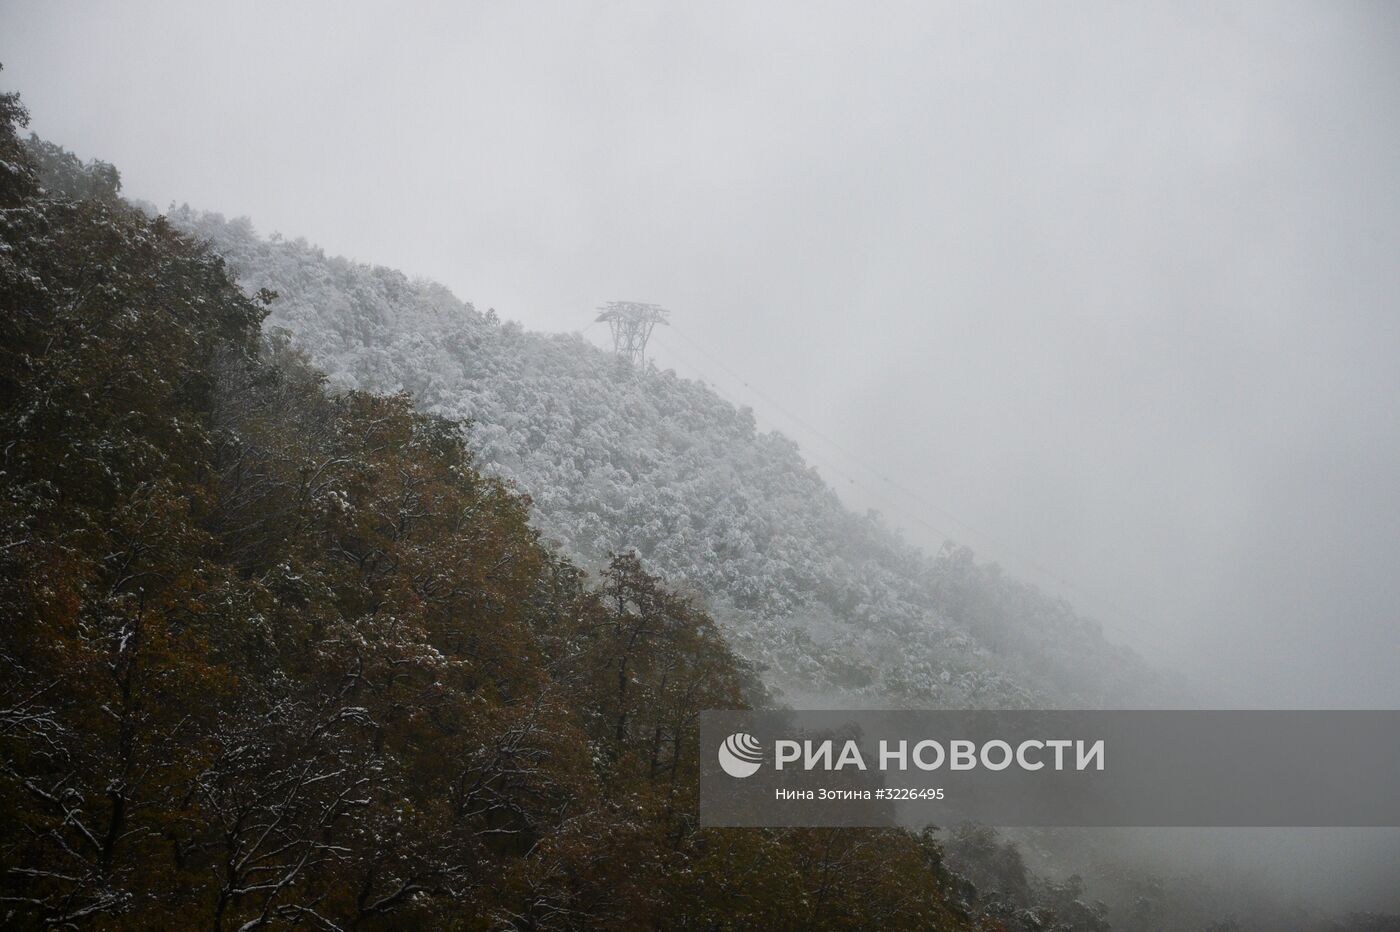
(1036, 566)
(808, 454)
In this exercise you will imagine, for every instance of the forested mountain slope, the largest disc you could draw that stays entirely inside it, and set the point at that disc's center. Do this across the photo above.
(283, 656)
(276, 657)
(831, 606)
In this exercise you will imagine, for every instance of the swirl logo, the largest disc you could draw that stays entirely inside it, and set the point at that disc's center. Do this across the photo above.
(740, 755)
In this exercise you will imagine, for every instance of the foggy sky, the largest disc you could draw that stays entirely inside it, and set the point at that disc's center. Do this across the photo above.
(1112, 288)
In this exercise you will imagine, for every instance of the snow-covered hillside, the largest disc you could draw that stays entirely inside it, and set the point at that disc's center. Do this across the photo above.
(832, 607)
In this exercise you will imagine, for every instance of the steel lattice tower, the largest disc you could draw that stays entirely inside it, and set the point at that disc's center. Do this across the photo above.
(631, 324)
